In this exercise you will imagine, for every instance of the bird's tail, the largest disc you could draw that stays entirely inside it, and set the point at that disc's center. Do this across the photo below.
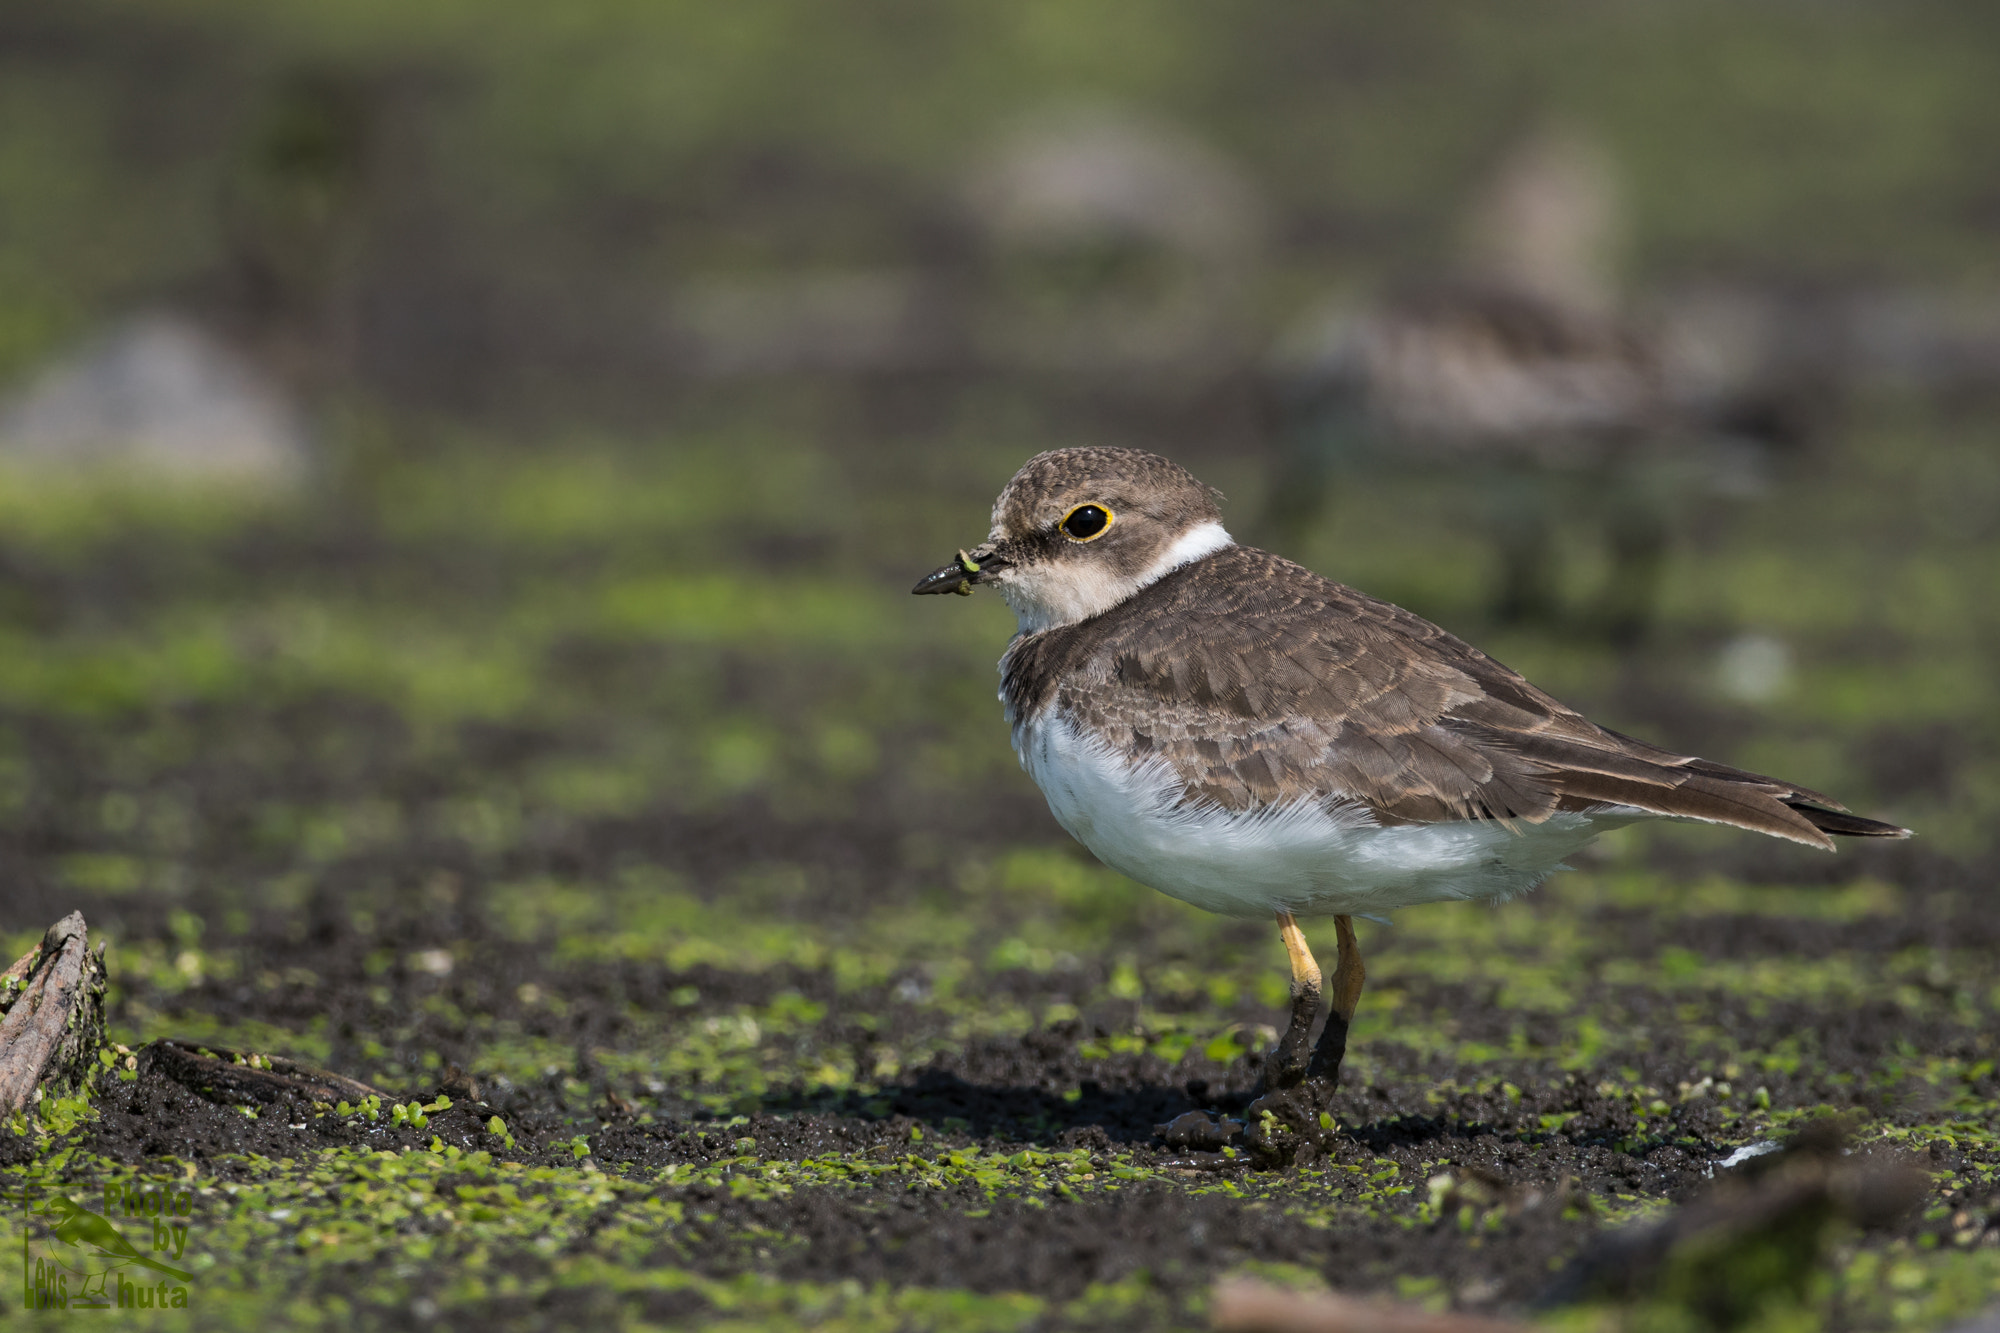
(1842, 824)
(1609, 769)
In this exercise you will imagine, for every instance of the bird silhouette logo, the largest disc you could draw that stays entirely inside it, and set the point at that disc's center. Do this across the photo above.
(73, 1261)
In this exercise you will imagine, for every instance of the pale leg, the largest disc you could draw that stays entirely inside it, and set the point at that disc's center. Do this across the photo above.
(1289, 1061)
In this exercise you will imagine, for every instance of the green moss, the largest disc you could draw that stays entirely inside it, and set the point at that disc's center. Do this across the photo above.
(621, 645)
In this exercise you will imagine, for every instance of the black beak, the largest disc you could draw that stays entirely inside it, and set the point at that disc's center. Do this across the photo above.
(961, 574)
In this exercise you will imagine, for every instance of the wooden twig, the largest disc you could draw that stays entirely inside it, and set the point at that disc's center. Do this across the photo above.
(54, 1025)
(235, 1077)
(1243, 1305)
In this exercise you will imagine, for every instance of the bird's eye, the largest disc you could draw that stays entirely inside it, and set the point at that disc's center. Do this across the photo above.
(1085, 522)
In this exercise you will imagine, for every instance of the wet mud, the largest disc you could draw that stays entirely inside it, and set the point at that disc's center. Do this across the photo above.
(761, 986)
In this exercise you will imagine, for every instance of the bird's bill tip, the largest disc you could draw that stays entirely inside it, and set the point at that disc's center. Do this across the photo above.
(945, 578)
(960, 575)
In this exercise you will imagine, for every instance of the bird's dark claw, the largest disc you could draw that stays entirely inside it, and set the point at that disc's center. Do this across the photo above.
(1292, 1124)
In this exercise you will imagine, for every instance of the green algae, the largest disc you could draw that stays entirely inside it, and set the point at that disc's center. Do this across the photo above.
(505, 1229)
(791, 983)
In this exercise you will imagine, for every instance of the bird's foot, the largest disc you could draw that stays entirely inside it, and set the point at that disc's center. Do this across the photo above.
(1291, 1126)
(1292, 1123)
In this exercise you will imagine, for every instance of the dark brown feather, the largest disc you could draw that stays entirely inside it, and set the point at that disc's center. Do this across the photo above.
(1262, 684)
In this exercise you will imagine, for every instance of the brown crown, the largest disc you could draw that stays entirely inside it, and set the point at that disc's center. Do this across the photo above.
(1050, 484)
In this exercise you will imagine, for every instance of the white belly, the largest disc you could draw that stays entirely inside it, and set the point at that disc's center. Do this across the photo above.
(1300, 859)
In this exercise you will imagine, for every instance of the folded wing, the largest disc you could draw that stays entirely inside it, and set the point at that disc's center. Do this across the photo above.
(1264, 685)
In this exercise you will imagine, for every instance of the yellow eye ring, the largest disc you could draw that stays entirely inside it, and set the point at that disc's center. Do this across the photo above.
(1087, 522)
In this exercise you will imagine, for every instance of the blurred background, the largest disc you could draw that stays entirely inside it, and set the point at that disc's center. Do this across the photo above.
(462, 465)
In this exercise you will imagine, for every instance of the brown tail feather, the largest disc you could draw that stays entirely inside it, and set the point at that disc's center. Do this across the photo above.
(1841, 823)
(1648, 778)
(1698, 796)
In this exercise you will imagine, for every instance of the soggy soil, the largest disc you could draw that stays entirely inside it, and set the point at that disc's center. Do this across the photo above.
(761, 985)
(1172, 1221)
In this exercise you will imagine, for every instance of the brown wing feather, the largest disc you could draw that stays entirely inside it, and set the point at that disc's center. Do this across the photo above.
(1262, 683)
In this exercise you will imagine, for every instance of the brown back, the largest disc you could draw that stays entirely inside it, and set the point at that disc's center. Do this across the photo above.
(1262, 684)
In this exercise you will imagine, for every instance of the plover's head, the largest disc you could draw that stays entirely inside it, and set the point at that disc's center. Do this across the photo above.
(1077, 531)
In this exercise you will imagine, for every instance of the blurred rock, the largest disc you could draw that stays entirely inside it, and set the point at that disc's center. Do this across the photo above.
(858, 321)
(1116, 242)
(158, 397)
(1090, 242)
(1752, 1239)
(1079, 174)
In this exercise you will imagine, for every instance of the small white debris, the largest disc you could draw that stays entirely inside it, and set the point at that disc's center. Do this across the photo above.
(1746, 1152)
(1754, 668)
(437, 962)
(158, 395)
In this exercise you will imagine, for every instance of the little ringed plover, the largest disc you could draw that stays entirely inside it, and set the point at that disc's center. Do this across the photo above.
(1244, 735)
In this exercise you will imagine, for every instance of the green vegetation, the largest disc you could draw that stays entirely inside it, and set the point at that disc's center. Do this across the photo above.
(1813, 141)
(402, 808)
(611, 768)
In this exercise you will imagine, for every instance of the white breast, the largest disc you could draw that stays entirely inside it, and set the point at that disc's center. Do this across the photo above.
(1300, 859)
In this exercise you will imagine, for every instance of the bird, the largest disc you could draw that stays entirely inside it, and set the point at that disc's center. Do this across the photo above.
(1549, 408)
(1245, 735)
(1519, 368)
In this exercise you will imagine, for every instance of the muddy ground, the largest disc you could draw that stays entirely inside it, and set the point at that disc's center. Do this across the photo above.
(627, 804)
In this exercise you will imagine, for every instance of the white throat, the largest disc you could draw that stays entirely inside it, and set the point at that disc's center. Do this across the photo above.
(1066, 592)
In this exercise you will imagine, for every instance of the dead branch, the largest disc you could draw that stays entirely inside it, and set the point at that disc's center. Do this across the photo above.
(1243, 1305)
(53, 999)
(235, 1077)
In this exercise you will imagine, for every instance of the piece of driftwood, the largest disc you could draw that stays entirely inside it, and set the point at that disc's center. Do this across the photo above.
(53, 998)
(235, 1077)
(1244, 1305)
